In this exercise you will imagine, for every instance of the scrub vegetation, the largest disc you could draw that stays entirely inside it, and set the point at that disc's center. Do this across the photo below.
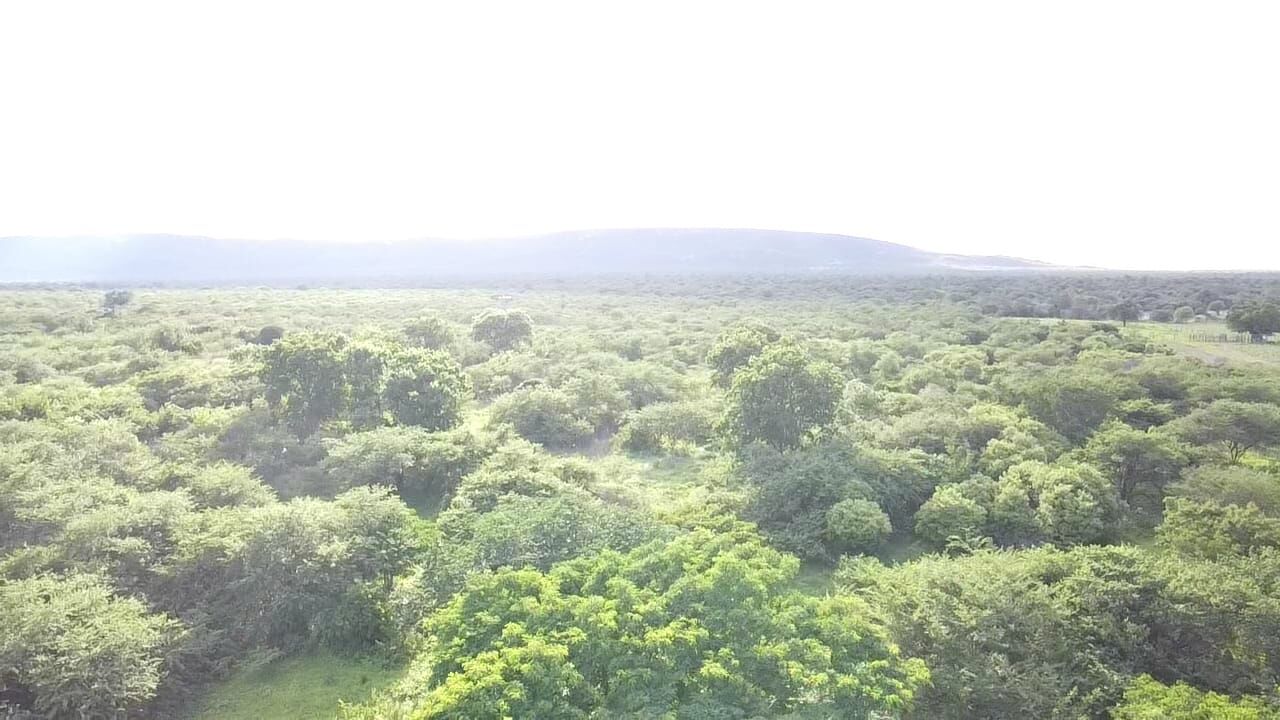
(1004, 496)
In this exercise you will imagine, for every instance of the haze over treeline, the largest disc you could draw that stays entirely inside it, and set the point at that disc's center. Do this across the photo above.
(179, 259)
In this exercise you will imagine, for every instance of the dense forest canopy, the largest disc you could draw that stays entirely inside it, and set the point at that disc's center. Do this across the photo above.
(963, 496)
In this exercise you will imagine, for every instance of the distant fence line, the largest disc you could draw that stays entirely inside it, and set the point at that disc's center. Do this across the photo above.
(1243, 338)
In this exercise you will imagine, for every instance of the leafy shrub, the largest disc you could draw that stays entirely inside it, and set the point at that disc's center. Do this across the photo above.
(70, 648)
(543, 415)
(669, 427)
(172, 338)
(429, 332)
(1050, 633)
(529, 531)
(949, 513)
(520, 469)
(415, 461)
(704, 627)
(502, 329)
(1231, 485)
(1209, 530)
(223, 485)
(1148, 699)
(855, 525)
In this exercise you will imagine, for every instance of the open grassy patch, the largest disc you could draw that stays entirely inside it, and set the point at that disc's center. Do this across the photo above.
(306, 687)
(815, 578)
(1210, 342)
(655, 482)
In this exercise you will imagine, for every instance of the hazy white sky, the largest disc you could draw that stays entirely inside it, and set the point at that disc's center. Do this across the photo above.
(1116, 133)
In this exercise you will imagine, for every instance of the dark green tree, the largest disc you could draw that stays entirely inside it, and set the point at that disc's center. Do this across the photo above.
(364, 373)
(1073, 400)
(1125, 312)
(113, 301)
(1259, 319)
(268, 334)
(503, 329)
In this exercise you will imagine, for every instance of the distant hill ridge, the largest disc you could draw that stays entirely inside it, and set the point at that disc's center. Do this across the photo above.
(191, 259)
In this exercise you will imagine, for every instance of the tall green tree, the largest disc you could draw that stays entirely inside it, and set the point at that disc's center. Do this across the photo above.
(1231, 485)
(1236, 427)
(1067, 504)
(782, 398)
(1073, 400)
(1047, 633)
(305, 375)
(425, 388)
(312, 378)
(364, 373)
(413, 460)
(1132, 458)
(1211, 531)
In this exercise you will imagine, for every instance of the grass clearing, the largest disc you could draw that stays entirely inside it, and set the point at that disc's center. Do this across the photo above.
(814, 578)
(306, 687)
(1197, 340)
(655, 482)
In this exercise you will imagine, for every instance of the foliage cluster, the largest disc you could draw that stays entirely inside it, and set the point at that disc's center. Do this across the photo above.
(599, 505)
